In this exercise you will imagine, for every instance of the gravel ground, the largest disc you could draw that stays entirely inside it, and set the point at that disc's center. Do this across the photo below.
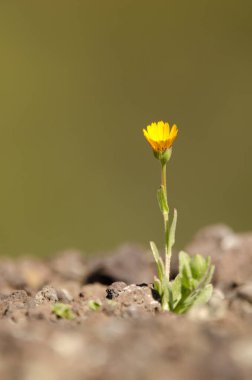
(111, 326)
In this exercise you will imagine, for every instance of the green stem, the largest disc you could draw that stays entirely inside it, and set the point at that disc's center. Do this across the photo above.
(163, 178)
(166, 225)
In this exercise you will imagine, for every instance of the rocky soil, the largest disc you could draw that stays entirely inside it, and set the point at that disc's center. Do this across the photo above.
(115, 329)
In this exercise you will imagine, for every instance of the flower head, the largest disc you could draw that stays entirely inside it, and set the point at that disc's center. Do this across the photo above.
(160, 136)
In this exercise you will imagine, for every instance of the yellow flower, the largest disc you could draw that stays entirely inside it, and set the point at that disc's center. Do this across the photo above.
(160, 136)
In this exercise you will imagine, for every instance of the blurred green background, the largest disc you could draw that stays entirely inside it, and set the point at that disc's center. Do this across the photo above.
(79, 81)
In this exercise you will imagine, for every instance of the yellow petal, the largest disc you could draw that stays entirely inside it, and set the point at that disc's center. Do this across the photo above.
(145, 133)
(174, 131)
(162, 126)
(166, 131)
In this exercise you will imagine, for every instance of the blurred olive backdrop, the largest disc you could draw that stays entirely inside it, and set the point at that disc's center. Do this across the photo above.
(79, 81)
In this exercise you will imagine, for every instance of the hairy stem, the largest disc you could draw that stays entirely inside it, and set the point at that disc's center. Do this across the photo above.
(166, 225)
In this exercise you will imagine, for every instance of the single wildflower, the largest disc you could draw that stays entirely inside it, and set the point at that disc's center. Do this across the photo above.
(192, 284)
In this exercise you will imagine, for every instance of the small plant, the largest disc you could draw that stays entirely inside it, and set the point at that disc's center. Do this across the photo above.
(192, 284)
(63, 311)
(94, 305)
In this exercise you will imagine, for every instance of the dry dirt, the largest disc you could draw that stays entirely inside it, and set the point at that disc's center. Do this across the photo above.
(128, 337)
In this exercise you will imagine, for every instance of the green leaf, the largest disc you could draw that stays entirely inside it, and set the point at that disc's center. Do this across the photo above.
(162, 199)
(185, 270)
(157, 286)
(184, 263)
(176, 290)
(158, 260)
(206, 275)
(94, 305)
(204, 295)
(199, 266)
(154, 251)
(63, 311)
(210, 272)
(172, 231)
